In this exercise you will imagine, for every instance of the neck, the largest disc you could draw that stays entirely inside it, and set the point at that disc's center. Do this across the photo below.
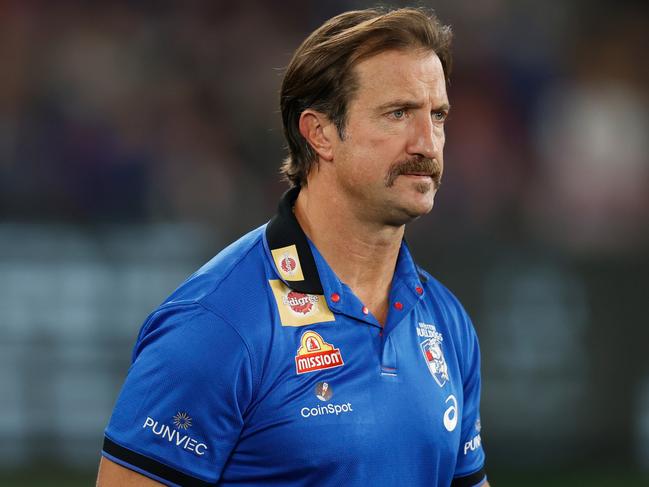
(363, 254)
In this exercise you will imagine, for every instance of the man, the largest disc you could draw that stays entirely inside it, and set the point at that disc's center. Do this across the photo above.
(227, 384)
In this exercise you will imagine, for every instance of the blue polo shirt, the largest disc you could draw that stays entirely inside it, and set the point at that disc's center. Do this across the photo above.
(263, 368)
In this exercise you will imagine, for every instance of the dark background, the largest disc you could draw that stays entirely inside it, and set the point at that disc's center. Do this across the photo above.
(137, 139)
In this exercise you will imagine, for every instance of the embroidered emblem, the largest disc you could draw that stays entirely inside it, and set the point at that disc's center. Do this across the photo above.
(299, 309)
(287, 263)
(316, 354)
(431, 348)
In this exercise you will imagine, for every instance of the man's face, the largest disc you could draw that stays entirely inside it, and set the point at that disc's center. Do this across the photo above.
(389, 163)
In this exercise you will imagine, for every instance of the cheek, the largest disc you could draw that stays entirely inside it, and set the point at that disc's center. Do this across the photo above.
(370, 149)
(365, 152)
(440, 140)
(440, 135)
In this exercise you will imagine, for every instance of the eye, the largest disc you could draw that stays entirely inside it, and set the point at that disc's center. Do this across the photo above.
(398, 114)
(439, 116)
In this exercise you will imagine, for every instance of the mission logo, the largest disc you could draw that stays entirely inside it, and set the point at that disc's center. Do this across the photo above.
(316, 354)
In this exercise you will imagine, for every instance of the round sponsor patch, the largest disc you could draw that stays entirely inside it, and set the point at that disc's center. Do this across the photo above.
(288, 264)
(299, 309)
(323, 391)
(300, 303)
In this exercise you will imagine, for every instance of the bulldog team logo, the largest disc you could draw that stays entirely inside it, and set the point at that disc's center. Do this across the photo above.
(299, 309)
(431, 348)
(287, 263)
(316, 354)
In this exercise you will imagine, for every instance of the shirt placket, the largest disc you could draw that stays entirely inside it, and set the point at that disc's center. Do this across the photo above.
(404, 296)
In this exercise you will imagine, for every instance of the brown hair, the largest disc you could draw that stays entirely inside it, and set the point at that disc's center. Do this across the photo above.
(320, 76)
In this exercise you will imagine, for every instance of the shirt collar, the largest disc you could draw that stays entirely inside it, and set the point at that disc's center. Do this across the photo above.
(290, 249)
(293, 258)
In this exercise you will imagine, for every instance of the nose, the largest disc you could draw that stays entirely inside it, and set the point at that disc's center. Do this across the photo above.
(427, 138)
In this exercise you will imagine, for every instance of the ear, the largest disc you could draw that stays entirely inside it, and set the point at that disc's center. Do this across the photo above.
(316, 128)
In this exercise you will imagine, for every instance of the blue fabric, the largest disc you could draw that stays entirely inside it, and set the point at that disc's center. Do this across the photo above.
(218, 390)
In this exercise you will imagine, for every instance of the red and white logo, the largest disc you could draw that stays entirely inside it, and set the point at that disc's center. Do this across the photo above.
(299, 309)
(300, 303)
(316, 354)
(312, 345)
(288, 264)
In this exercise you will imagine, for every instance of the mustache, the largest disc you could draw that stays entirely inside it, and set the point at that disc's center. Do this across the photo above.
(417, 164)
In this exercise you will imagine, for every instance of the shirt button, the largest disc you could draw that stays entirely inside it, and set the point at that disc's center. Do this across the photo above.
(335, 297)
(419, 289)
(365, 310)
(398, 305)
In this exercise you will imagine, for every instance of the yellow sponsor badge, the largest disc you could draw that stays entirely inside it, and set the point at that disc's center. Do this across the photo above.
(287, 263)
(299, 309)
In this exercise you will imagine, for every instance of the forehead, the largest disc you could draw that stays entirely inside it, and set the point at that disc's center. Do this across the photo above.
(412, 74)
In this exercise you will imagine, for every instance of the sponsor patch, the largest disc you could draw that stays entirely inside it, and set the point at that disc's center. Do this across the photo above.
(182, 421)
(299, 309)
(323, 391)
(177, 436)
(431, 348)
(321, 410)
(288, 263)
(316, 354)
(473, 444)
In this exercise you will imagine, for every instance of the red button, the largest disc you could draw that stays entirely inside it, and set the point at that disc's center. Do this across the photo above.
(398, 305)
(365, 310)
(335, 297)
(420, 290)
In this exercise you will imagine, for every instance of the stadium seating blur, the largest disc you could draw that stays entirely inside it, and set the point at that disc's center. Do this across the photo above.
(139, 138)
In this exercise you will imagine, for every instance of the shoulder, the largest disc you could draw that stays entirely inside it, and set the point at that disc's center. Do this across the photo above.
(220, 304)
(233, 266)
(233, 285)
(448, 303)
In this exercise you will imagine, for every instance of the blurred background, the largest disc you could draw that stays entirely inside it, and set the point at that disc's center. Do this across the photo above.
(137, 139)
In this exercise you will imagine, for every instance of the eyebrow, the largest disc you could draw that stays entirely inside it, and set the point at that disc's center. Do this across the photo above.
(444, 107)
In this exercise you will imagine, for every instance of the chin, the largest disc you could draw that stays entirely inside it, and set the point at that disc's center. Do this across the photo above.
(421, 210)
(423, 203)
(406, 213)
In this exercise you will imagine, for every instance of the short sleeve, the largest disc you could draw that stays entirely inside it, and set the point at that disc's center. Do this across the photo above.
(180, 411)
(469, 469)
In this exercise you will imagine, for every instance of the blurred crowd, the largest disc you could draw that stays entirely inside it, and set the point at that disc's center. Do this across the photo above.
(168, 111)
(163, 118)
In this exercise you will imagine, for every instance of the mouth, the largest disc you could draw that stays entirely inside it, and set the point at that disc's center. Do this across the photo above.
(423, 180)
